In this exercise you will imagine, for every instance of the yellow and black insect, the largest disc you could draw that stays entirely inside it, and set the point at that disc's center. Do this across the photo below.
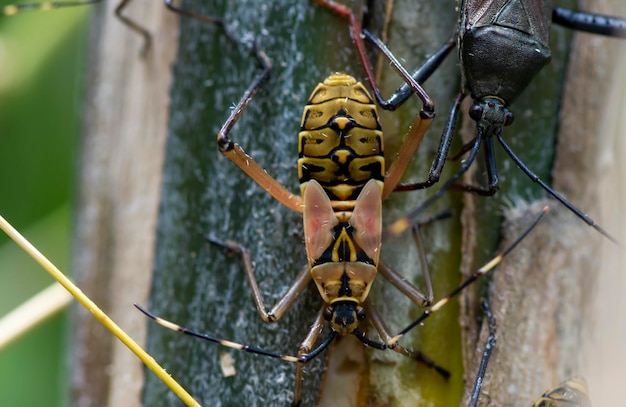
(572, 392)
(341, 158)
(341, 169)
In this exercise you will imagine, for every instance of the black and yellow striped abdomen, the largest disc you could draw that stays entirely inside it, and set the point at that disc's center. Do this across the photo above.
(340, 140)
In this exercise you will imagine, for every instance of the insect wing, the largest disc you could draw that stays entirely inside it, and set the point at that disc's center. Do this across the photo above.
(319, 221)
(367, 220)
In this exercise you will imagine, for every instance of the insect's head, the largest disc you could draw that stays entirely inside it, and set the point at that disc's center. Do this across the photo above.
(344, 316)
(491, 113)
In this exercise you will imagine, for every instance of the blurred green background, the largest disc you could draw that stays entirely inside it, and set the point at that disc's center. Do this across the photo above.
(42, 71)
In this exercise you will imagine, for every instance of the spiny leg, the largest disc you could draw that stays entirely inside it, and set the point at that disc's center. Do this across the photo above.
(242, 160)
(490, 265)
(484, 361)
(227, 147)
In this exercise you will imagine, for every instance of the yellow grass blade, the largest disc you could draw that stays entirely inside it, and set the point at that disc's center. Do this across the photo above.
(30, 314)
(97, 312)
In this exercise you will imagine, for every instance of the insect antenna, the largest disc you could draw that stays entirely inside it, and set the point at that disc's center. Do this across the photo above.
(239, 346)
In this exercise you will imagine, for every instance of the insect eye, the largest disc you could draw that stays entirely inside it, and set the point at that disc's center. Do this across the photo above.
(508, 118)
(360, 313)
(328, 314)
(476, 112)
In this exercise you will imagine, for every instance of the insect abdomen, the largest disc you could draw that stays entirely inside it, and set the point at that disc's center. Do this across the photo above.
(340, 140)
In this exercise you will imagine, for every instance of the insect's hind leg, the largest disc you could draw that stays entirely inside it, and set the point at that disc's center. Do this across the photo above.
(287, 299)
